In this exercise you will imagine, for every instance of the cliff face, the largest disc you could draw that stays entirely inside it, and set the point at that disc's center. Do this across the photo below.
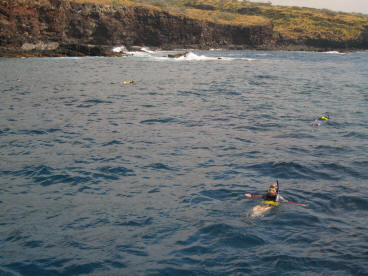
(50, 24)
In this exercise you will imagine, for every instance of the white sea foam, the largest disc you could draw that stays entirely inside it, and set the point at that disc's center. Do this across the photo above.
(119, 49)
(163, 55)
(334, 52)
(193, 57)
(123, 49)
(139, 54)
(147, 50)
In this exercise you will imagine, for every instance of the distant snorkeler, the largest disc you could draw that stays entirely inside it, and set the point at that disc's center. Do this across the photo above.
(128, 82)
(269, 200)
(321, 120)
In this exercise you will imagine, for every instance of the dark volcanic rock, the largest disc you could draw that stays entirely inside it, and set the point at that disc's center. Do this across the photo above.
(59, 27)
(177, 55)
(31, 24)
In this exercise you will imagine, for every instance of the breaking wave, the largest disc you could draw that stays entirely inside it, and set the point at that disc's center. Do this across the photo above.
(159, 55)
(334, 52)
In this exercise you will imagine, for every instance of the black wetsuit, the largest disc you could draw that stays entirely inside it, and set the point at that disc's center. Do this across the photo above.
(270, 197)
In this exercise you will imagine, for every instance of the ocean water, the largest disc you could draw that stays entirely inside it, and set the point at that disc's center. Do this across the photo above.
(102, 178)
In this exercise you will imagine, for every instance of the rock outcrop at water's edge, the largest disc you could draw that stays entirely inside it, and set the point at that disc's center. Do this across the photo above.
(57, 27)
(68, 28)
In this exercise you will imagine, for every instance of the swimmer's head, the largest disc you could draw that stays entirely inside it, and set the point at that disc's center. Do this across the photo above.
(272, 189)
(325, 116)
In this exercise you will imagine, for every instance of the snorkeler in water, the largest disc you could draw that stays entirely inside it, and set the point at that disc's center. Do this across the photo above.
(322, 119)
(273, 197)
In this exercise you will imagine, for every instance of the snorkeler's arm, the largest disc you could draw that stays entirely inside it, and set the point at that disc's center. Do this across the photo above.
(281, 199)
(252, 196)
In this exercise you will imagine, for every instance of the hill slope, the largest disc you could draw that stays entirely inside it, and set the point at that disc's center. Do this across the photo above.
(69, 27)
(293, 26)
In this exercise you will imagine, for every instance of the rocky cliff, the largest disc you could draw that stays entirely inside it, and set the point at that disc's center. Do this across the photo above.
(70, 28)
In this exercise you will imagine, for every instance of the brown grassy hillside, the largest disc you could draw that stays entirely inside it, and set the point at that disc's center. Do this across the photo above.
(291, 24)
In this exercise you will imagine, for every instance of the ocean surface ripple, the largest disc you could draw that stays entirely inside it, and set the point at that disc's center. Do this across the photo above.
(103, 178)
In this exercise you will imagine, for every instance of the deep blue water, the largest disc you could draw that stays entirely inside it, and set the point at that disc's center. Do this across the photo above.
(101, 178)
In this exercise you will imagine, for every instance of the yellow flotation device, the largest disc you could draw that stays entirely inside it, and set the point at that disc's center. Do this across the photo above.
(271, 203)
(324, 118)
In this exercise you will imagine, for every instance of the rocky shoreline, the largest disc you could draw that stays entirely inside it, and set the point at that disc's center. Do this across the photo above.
(69, 28)
(62, 28)
(63, 50)
(75, 50)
